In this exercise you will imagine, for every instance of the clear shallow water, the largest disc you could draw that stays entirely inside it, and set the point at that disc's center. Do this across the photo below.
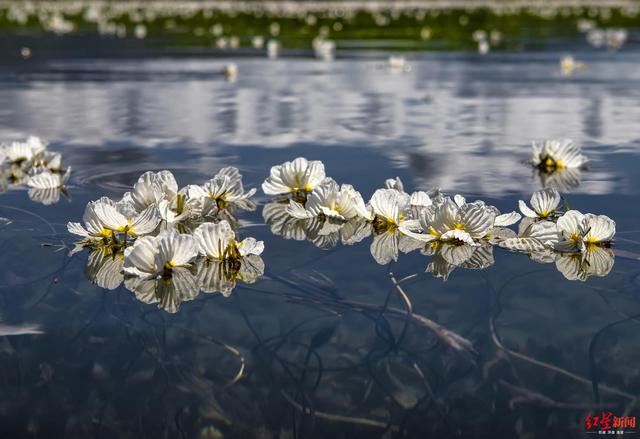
(323, 340)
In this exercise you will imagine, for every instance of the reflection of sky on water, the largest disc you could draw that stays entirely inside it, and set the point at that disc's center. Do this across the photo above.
(323, 327)
(457, 122)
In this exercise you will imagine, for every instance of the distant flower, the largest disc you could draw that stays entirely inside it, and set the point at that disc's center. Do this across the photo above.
(273, 48)
(544, 204)
(568, 65)
(297, 176)
(230, 71)
(323, 48)
(20, 152)
(553, 155)
(398, 64)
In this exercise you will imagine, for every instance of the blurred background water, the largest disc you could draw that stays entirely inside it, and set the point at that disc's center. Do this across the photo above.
(322, 345)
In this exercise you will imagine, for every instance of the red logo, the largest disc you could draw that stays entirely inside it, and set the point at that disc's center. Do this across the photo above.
(608, 423)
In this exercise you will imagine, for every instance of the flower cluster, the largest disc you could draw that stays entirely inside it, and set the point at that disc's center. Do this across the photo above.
(30, 163)
(168, 244)
(453, 231)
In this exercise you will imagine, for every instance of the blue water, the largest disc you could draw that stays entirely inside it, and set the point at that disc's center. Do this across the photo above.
(322, 345)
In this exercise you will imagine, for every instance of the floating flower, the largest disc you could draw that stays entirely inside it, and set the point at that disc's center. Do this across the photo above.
(329, 200)
(152, 257)
(230, 71)
(544, 204)
(94, 227)
(110, 216)
(448, 221)
(20, 152)
(298, 176)
(225, 258)
(552, 155)
(568, 65)
(582, 231)
(224, 190)
(150, 188)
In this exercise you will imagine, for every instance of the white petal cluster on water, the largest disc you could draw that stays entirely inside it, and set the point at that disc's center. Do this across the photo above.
(453, 231)
(169, 243)
(30, 163)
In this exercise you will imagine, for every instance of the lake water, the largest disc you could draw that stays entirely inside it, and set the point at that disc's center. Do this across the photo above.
(322, 344)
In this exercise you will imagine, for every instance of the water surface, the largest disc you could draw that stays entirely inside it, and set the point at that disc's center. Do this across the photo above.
(322, 345)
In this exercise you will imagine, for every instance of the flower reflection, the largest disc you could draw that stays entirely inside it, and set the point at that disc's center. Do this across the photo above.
(104, 267)
(565, 180)
(221, 275)
(594, 261)
(168, 292)
(449, 256)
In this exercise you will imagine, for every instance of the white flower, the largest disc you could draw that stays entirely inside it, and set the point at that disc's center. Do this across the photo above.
(19, 152)
(223, 190)
(389, 207)
(299, 175)
(501, 220)
(112, 218)
(49, 161)
(544, 202)
(568, 65)
(581, 231)
(552, 155)
(335, 202)
(397, 62)
(230, 71)
(226, 259)
(151, 188)
(217, 242)
(152, 257)
(94, 227)
(448, 221)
